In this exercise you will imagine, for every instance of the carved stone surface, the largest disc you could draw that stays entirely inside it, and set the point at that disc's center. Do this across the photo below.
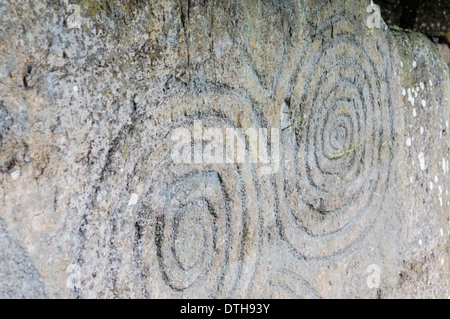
(355, 204)
(18, 277)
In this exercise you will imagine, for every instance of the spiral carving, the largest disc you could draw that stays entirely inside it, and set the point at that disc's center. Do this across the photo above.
(206, 218)
(340, 152)
(211, 230)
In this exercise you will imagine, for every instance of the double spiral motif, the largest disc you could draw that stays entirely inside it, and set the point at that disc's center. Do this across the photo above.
(200, 229)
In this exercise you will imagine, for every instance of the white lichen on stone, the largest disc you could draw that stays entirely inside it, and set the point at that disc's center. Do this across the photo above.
(408, 142)
(422, 162)
(15, 175)
(133, 199)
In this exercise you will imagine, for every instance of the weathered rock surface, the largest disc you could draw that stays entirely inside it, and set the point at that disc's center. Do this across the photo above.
(93, 204)
(18, 277)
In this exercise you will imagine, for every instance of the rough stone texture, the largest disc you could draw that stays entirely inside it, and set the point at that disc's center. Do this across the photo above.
(18, 277)
(92, 204)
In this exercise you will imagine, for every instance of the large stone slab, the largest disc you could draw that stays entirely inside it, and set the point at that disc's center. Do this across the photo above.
(354, 204)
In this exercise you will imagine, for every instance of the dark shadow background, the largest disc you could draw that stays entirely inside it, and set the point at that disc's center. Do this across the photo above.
(430, 17)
